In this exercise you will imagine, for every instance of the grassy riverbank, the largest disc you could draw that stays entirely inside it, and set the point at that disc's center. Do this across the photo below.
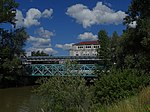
(139, 103)
(115, 91)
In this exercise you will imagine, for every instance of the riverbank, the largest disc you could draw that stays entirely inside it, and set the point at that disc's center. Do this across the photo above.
(22, 99)
(22, 81)
(19, 81)
(138, 103)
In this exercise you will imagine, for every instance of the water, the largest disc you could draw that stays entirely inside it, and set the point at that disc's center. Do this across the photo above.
(17, 99)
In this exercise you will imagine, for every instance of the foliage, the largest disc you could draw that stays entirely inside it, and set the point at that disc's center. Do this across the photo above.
(138, 103)
(8, 11)
(65, 94)
(103, 51)
(38, 53)
(12, 42)
(131, 54)
(139, 9)
(108, 51)
(135, 43)
(118, 85)
(11, 48)
(114, 44)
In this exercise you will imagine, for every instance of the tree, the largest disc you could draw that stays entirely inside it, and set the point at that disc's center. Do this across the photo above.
(8, 11)
(11, 45)
(114, 43)
(104, 50)
(12, 42)
(136, 40)
(39, 53)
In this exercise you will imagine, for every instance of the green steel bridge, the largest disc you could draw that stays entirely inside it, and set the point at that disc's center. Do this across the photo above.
(61, 65)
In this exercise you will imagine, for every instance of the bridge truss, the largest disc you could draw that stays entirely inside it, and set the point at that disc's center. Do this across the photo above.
(86, 70)
(58, 66)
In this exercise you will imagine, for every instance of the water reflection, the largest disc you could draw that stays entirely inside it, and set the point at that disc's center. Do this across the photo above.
(18, 100)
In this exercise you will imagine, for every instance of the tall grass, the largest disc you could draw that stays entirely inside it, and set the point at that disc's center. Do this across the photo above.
(139, 103)
(144, 99)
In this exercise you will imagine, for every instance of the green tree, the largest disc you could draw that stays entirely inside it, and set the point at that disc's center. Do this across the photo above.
(39, 53)
(104, 51)
(8, 11)
(114, 43)
(11, 45)
(12, 42)
(135, 44)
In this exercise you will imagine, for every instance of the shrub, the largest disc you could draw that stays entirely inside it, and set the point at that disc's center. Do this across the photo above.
(65, 94)
(137, 103)
(118, 84)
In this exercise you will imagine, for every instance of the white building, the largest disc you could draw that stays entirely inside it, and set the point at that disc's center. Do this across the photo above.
(88, 48)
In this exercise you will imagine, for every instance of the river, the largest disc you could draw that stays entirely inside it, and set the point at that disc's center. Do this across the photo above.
(17, 99)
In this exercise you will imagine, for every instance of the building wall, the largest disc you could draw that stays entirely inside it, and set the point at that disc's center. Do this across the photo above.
(84, 50)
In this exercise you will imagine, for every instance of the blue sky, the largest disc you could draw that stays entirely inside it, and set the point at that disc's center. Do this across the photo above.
(53, 25)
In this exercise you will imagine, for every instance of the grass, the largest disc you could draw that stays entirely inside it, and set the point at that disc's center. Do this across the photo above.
(139, 103)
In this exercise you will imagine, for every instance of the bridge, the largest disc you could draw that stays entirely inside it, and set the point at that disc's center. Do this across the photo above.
(61, 65)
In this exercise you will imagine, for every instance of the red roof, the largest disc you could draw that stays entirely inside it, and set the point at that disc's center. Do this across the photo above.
(88, 43)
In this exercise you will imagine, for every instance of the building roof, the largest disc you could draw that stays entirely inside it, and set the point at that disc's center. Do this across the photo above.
(88, 43)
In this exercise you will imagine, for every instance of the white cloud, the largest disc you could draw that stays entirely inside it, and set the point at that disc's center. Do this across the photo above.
(65, 46)
(45, 49)
(20, 19)
(41, 42)
(44, 33)
(87, 36)
(100, 14)
(132, 24)
(32, 17)
(47, 13)
(50, 50)
(43, 38)
(35, 41)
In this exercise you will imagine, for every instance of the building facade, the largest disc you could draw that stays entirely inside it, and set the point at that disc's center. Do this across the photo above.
(88, 48)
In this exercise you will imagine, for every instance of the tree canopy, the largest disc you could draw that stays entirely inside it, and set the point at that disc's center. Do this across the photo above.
(39, 53)
(12, 42)
(8, 11)
(135, 44)
(104, 51)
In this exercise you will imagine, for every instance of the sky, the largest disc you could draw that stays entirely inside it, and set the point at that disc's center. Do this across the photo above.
(54, 25)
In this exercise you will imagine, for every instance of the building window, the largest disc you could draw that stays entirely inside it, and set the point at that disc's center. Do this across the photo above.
(80, 47)
(96, 47)
(88, 46)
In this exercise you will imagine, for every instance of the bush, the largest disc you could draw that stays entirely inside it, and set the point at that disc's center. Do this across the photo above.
(65, 94)
(117, 85)
(138, 103)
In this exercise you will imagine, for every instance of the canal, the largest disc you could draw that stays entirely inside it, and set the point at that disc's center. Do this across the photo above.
(18, 99)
